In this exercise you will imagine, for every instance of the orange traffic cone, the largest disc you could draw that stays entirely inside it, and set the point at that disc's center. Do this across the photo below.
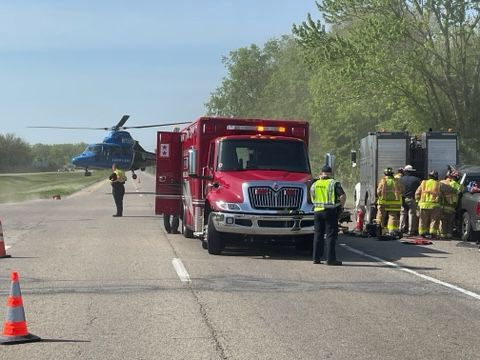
(15, 327)
(3, 253)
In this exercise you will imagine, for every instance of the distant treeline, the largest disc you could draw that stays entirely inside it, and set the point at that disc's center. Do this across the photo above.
(364, 66)
(16, 155)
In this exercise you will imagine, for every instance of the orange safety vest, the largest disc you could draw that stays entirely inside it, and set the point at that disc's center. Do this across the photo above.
(430, 194)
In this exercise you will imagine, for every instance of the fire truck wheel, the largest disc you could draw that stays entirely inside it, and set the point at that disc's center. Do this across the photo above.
(214, 238)
(204, 245)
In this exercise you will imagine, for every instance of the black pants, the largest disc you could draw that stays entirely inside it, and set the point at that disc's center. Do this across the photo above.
(326, 223)
(118, 191)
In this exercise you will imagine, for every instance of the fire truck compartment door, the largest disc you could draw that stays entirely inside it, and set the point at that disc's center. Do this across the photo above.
(168, 183)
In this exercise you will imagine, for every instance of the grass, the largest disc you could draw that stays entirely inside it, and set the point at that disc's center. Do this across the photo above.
(21, 187)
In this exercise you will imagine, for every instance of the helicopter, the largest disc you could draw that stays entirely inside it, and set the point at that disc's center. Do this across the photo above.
(118, 147)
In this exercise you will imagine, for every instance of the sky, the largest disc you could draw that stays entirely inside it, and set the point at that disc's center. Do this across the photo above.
(87, 62)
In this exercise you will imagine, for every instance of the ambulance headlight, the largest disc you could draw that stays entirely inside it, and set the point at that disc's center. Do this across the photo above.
(228, 206)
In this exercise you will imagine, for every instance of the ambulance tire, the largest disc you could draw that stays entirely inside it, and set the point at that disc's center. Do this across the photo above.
(214, 238)
(187, 233)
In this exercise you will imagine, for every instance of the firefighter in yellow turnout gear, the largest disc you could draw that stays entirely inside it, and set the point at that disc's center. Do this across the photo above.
(389, 202)
(429, 197)
(449, 204)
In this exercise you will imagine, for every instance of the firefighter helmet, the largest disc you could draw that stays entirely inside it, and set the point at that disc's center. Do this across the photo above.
(388, 171)
(433, 175)
(453, 175)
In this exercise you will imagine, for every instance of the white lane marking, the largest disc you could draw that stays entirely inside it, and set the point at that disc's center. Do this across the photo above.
(180, 269)
(428, 278)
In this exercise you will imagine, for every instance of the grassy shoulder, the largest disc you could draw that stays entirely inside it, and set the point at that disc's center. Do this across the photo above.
(21, 187)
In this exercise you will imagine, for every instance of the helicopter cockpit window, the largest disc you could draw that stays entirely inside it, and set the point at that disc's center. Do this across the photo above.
(94, 148)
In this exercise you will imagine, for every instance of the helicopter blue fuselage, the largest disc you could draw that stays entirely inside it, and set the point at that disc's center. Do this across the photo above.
(117, 148)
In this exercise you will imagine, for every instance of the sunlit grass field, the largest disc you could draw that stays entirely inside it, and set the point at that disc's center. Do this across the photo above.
(21, 187)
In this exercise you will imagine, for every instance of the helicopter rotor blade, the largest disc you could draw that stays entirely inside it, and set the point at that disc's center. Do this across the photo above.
(122, 122)
(156, 125)
(68, 127)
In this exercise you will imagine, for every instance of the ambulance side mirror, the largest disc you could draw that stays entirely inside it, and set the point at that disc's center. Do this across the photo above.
(192, 162)
(353, 157)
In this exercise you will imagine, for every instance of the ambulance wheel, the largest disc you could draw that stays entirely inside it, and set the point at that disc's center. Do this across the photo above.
(166, 223)
(214, 238)
(187, 233)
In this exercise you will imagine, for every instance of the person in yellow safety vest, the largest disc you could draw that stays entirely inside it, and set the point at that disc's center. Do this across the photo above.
(429, 196)
(328, 199)
(117, 180)
(450, 200)
(389, 202)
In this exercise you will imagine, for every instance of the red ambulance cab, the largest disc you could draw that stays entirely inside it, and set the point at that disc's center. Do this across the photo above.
(233, 179)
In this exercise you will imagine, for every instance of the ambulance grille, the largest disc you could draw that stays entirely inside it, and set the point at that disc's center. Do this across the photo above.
(265, 197)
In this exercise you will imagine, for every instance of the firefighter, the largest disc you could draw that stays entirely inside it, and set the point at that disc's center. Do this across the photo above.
(117, 180)
(389, 195)
(450, 200)
(328, 198)
(428, 196)
(408, 213)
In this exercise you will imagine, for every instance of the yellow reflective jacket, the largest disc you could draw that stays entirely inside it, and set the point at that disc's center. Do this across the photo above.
(450, 198)
(389, 193)
(121, 178)
(429, 194)
(322, 193)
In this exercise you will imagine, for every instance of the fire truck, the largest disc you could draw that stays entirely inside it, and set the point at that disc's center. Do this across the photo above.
(432, 150)
(233, 180)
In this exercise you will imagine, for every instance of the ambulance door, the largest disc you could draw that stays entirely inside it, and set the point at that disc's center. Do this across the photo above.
(168, 183)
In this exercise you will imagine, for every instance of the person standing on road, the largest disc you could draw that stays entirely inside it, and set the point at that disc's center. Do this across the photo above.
(117, 180)
(408, 213)
(328, 198)
(389, 195)
(450, 201)
(429, 195)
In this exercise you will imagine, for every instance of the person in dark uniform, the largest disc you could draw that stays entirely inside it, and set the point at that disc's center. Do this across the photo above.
(328, 198)
(408, 213)
(117, 180)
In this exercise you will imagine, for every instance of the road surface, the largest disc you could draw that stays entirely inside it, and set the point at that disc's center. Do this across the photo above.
(98, 287)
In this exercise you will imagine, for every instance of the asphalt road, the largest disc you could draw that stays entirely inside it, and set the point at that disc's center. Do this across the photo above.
(97, 287)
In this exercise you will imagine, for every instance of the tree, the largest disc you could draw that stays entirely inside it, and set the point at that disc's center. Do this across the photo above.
(15, 153)
(418, 60)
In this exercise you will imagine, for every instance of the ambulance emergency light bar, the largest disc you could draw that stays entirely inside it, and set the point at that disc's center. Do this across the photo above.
(259, 128)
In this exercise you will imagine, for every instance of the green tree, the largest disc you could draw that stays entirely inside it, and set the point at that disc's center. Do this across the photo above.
(14, 153)
(419, 61)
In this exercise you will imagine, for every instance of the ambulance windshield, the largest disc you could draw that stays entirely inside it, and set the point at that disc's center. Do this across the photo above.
(263, 154)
